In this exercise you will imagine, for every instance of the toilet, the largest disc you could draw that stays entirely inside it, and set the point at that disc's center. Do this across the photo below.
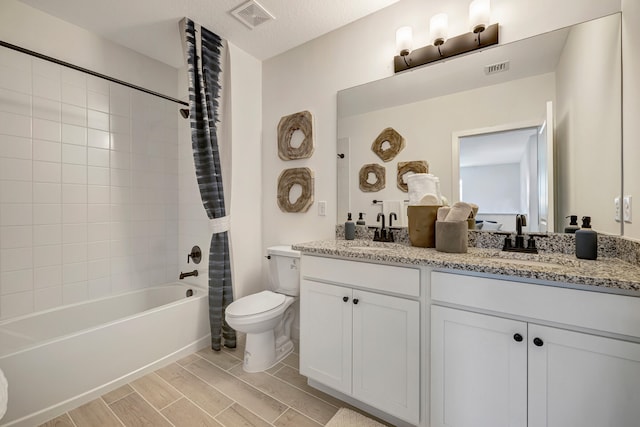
(266, 317)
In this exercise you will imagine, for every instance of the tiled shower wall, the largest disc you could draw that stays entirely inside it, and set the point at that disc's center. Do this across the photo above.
(88, 187)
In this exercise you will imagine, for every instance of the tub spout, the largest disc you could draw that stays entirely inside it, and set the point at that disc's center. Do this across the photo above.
(189, 274)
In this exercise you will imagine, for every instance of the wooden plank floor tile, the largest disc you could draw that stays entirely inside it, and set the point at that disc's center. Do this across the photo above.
(222, 359)
(293, 418)
(156, 391)
(293, 377)
(239, 416)
(117, 394)
(94, 413)
(133, 411)
(61, 421)
(184, 413)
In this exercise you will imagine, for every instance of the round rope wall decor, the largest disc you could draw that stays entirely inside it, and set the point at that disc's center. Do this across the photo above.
(416, 166)
(287, 179)
(379, 173)
(394, 139)
(302, 122)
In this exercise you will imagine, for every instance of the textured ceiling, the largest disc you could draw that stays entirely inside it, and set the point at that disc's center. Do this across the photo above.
(151, 26)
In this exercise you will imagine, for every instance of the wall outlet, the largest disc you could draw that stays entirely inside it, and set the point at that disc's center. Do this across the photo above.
(626, 208)
(616, 206)
(322, 208)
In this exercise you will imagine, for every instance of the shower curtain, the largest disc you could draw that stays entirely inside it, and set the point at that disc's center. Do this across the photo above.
(204, 53)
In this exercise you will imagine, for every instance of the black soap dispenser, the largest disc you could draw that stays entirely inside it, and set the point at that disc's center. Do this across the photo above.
(360, 220)
(349, 228)
(573, 224)
(586, 240)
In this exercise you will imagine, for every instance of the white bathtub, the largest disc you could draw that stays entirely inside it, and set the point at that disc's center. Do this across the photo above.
(58, 359)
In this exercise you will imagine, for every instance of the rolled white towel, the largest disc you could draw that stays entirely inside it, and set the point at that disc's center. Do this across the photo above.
(420, 184)
(459, 212)
(429, 200)
(4, 394)
(442, 213)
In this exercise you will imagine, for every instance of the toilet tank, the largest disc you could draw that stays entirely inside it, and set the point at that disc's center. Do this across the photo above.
(284, 270)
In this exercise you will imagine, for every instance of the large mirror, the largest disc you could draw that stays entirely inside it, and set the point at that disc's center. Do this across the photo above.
(569, 78)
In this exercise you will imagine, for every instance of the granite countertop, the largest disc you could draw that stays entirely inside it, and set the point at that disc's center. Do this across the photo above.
(607, 274)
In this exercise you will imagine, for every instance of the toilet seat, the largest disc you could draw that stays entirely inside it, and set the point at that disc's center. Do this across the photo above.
(255, 304)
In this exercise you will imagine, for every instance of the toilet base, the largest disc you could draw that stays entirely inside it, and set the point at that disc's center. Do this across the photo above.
(263, 352)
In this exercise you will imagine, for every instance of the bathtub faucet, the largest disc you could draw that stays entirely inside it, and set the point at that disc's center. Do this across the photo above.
(189, 274)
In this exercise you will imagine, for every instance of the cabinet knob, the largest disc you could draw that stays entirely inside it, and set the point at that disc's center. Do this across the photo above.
(345, 299)
(537, 341)
(517, 337)
(355, 300)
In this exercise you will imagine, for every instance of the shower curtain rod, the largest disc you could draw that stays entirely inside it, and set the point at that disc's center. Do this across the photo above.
(85, 70)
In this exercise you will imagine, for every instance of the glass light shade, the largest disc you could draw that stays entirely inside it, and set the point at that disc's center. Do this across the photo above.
(479, 12)
(438, 28)
(404, 40)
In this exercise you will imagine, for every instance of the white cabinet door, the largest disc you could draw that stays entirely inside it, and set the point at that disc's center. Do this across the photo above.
(478, 370)
(578, 379)
(325, 334)
(386, 353)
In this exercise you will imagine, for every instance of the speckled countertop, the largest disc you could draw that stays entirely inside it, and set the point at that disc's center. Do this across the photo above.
(608, 274)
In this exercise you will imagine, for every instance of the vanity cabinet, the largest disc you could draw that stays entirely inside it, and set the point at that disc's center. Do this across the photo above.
(359, 340)
(496, 363)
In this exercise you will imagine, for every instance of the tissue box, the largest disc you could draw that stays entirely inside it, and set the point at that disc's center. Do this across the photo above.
(452, 237)
(422, 221)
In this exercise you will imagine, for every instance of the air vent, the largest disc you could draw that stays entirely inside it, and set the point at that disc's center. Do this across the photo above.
(252, 14)
(496, 68)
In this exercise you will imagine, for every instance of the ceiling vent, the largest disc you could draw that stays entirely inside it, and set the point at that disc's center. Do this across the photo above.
(496, 68)
(252, 14)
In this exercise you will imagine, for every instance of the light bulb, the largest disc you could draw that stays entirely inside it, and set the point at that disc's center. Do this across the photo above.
(438, 28)
(404, 39)
(479, 12)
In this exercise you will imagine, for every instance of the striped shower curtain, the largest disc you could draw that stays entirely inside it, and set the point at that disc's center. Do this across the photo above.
(204, 51)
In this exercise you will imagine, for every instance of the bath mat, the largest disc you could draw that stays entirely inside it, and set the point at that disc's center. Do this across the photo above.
(348, 418)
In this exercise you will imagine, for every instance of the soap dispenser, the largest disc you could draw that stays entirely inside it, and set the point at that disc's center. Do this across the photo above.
(360, 220)
(349, 228)
(586, 240)
(573, 224)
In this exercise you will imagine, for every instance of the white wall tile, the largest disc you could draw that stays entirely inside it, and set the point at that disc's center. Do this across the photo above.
(15, 191)
(98, 231)
(96, 84)
(75, 292)
(98, 195)
(16, 304)
(47, 69)
(73, 254)
(47, 151)
(98, 157)
(50, 234)
(15, 169)
(98, 250)
(120, 213)
(73, 174)
(75, 272)
(121, 142)
(98, 101)
(44, 192)
(74, 213)
(47, 256)
(16, 259)
(74, 115)
(75, 154)
(15, 125)
(74, 193)
(98, 268)
(16, 281)
(46, 109)
(98, 213)
(98, 139)
(120, 105)
(99, 288)
(120, 177)
(20, 236)
(120, 124)
(74, 77)
(47, 129)
(14, 146)
(98, 120)
(15, 79)
(47, 298)
(120, 195)
(15, 214)
(45, 87)
(15, 102)
(47, 172)
(74, 236)
(120, 160)
(49, 213)
(45, 277)
(72, 134)
(73, 94)
(98, 175)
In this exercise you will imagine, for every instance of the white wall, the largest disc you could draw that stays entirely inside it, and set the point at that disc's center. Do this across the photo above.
(631, 109)
(308, 77)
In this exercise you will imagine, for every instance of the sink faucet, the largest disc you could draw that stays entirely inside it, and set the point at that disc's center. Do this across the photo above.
(382, 235)
(521, 220)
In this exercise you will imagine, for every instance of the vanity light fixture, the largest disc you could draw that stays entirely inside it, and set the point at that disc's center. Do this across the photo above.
(444, 47)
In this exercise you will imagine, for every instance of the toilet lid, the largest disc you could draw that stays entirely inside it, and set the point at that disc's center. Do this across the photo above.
(255, 304)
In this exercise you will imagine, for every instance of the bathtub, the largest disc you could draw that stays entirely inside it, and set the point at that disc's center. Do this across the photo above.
(59, 359)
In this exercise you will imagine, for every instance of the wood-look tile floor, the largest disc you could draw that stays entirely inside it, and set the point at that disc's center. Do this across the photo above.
(209, 388)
